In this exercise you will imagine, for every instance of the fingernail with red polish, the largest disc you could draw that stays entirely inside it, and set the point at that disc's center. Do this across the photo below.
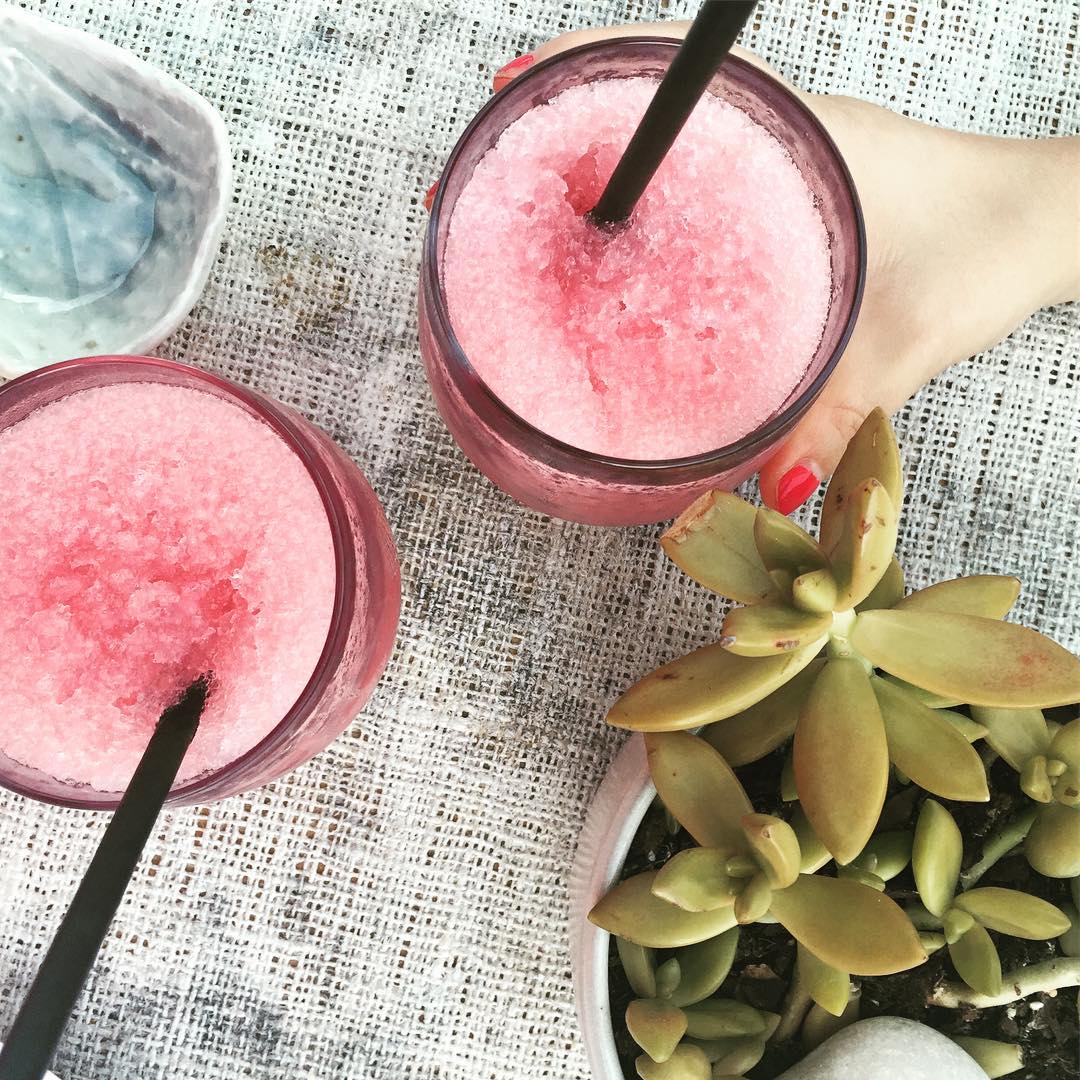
(506, 73)
(794, 488)
(429, 198)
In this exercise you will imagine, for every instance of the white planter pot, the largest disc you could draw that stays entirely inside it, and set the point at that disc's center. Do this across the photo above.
(609, 829)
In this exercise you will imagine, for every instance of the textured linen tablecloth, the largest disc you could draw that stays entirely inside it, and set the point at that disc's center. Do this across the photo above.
(396, 908)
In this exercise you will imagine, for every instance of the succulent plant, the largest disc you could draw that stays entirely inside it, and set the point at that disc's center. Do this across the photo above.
(829, 652)
(1048, 762)
(747, 868)
(967, 918)
(828, 649)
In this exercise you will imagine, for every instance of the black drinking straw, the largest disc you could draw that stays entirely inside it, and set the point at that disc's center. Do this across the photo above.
(708, 41)
(33, 1037)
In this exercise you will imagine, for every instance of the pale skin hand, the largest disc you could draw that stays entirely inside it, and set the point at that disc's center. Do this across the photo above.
(967, 235)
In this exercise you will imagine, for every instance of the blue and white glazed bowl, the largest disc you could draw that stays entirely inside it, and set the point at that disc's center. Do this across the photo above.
(114, 183)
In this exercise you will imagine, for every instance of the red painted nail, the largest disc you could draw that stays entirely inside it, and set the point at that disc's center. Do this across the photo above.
(506, 73)
(794, 488)
(429, 198)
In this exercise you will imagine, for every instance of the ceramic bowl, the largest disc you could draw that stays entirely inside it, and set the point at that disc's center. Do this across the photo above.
(114, 182)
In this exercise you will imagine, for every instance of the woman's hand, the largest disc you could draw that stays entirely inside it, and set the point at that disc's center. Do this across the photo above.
(967, 235)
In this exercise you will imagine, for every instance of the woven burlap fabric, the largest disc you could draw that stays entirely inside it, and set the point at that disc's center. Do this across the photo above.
(396, 908)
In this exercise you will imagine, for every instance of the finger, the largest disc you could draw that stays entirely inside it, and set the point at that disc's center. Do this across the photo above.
(872, 372)
(811, 451)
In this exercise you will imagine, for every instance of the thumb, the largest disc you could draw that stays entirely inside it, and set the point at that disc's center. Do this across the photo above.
(810, 453)
(875, 370)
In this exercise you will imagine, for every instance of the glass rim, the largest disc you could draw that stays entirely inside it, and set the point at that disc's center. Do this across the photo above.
(725, 456)
(345, 571)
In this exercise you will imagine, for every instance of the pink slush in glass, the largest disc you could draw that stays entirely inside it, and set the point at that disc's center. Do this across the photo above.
(161, 522)
(611, 376)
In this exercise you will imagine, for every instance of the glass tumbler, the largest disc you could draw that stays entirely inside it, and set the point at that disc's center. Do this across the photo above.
(367, 593)
(561, 480)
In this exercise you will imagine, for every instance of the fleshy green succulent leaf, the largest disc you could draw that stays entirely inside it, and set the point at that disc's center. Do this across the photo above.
(767, 629)
(982, 661)
(772, 1022)
(719, 1018)
(1067, 789)
(864, 877)
(753, 899)
(987, 595)
(788, 791)
(865, 548)
(736, 1056)
(1065, 752)
(668, 976)
(887, 854)
(927, 748)
(828, 986)
(713, 1049)
(782, 545)
(840, 734)
(775, 846)
(1011, 912)
(820, 1025)
(1053, 844)
(813, 853)
(763, 727)
(783, 580)
(704, 967)
(712, 540)
(1034, 780)
(872, 452)
(976, 960)
(656, 1027)
(1069, 942)
(931, 701)
(1016, 734)
(931, 942)
(956, 924)
(686, 1063)
(697, 785)
(967, 727)
(848, 925)
(936, 856)
(704, 686)
(888, 591)
(993, 1057)
(815, 591)
(1065, 745)
(696, 880)
(631, 911)
(742, 866)
(639, 966)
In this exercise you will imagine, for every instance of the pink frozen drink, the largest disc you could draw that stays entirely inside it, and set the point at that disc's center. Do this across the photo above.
(150, 533)
(675, 334)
